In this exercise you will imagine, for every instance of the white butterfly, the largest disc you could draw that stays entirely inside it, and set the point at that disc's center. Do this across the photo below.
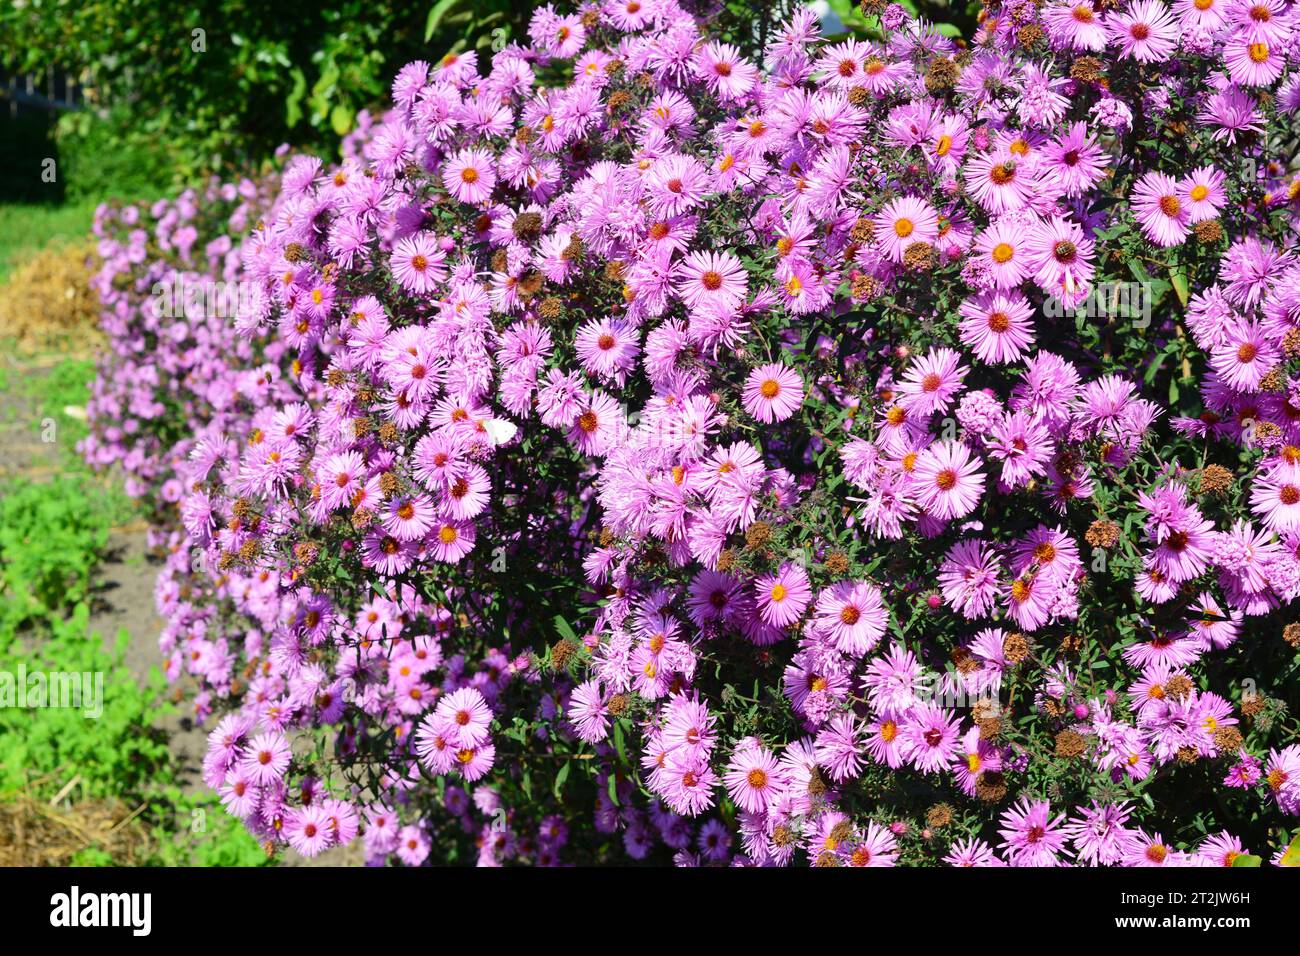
(499, 430)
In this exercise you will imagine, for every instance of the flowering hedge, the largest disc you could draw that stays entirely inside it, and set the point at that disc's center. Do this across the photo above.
(888, 453)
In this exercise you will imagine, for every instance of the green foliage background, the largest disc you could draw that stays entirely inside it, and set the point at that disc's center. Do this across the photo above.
(165, 112)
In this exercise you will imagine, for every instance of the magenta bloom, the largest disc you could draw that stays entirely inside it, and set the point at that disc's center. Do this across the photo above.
(464, 717)
(1203, 192)
(1005, 252)
(1161, 214)
(451, 540)
(852, 614)
(929, 737)
(267, 758)
(711, 278)
(308, 830)
(948, 483)
(588, 711)
(783, 596)
(969, 577)
(1145, 31)
(1275, 498)
(903, 222)
(931, 382)
(772, 393)
(997, 326)
(676, 183)
(1247, 354)
(417, 263)
(469, 176)
(753, 778)
(1031, 836)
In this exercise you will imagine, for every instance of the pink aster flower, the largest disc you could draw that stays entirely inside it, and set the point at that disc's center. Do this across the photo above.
(469, 176)
(772, 393)
(1024, 446)
(754, 779)
(408, 517)
(725, 71)
(711, 279)
(1221, 849)
(931, 382)
(588, 711)
(998, 181)
(464, 717)
(929, 737)
(451, 540)
(903, 222)
(386, 554)
(412, 845)
(308, 830)
(1247, 354)
(947, 483)
(852, 615)
(608, 348)
(1161, 214)
(783, 596)
(675, 184)
(417, 263)
(1275, 498)
(1146, 849)
(997, 326)
(1075, 24)
(1144, 30)
(971, 852)
(1253, 61)
(877, 847)
(1060, 258)
(1031, 836)
(1203, 193)
(968, 577)
(1004, 250)
(267, 758)
(1076, 158)
(975, 757)
(597, 425)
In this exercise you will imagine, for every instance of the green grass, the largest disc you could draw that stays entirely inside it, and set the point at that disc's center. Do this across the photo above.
(26, 228)
(53, 535)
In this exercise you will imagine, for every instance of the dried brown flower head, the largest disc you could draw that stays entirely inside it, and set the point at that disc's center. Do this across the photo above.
(1015, 647)
(1102, 534)
(1070, 744)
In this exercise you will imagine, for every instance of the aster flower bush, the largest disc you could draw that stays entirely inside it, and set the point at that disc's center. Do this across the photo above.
(873, 451)
(892, 520)
(164, 278)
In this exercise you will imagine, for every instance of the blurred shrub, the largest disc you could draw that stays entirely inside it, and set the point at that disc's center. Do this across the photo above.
(214, 84)
(107, 156)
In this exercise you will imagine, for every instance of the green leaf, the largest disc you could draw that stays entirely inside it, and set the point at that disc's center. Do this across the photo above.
(560, 777)
(619, 743)
(341, 119)
(563, 627)
(293, 102)
(1292, 855)
(436, 13)
(1178, 276)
